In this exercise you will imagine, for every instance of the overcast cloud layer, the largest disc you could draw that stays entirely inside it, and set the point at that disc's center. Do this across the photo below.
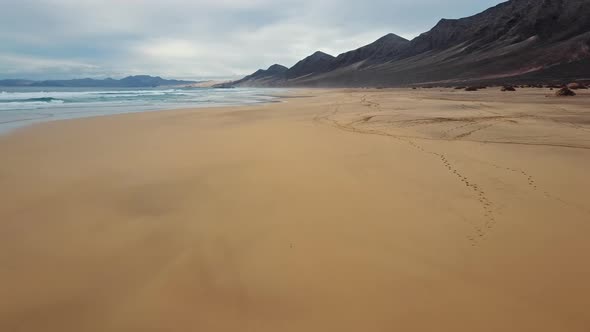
(43, 39)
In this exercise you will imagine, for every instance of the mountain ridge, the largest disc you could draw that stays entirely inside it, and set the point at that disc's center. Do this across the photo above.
(315, 63)
(136, 81)
(517, 39)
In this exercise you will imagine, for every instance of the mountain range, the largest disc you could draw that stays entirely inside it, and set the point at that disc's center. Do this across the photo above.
(515, 41)
(139, 81)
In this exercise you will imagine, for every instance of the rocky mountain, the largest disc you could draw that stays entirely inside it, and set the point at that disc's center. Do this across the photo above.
(138, 81)
(313, 64)
(518, 40)
(262, 77)
(382, 49)
(277, 75)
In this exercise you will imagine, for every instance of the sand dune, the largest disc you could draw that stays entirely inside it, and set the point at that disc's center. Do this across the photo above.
(342, 210)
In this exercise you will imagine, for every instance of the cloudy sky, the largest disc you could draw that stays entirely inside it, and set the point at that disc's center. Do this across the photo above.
(43, 39)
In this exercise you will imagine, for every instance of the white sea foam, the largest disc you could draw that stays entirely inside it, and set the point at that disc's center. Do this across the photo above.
(23, 106)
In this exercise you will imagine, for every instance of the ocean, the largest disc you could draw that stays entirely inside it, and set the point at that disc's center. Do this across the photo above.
(25, 106)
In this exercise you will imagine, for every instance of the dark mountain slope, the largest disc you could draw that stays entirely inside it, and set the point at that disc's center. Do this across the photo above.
(383, 48)
(508, 23)
(518, 38)
(262, 77)
(278, 75)
(313, 64)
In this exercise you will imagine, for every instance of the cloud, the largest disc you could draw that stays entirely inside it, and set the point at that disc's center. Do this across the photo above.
(184, 38)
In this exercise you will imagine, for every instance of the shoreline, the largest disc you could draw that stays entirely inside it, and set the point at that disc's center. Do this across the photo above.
(18, 118)
(296, 93)
(336, 209)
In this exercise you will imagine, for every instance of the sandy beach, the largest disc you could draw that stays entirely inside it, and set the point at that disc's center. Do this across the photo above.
(333, 210)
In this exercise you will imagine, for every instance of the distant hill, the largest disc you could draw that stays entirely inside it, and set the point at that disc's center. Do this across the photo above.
(15, 82)
(139, 81)
(518, 40)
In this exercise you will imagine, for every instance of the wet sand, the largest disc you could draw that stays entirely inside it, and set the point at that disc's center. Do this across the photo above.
(338, 210)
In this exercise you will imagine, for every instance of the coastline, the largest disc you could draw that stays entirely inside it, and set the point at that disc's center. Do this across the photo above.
(341, 209)
(20, 107)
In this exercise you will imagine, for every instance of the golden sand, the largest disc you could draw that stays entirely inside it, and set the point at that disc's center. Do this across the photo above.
(338, 210)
